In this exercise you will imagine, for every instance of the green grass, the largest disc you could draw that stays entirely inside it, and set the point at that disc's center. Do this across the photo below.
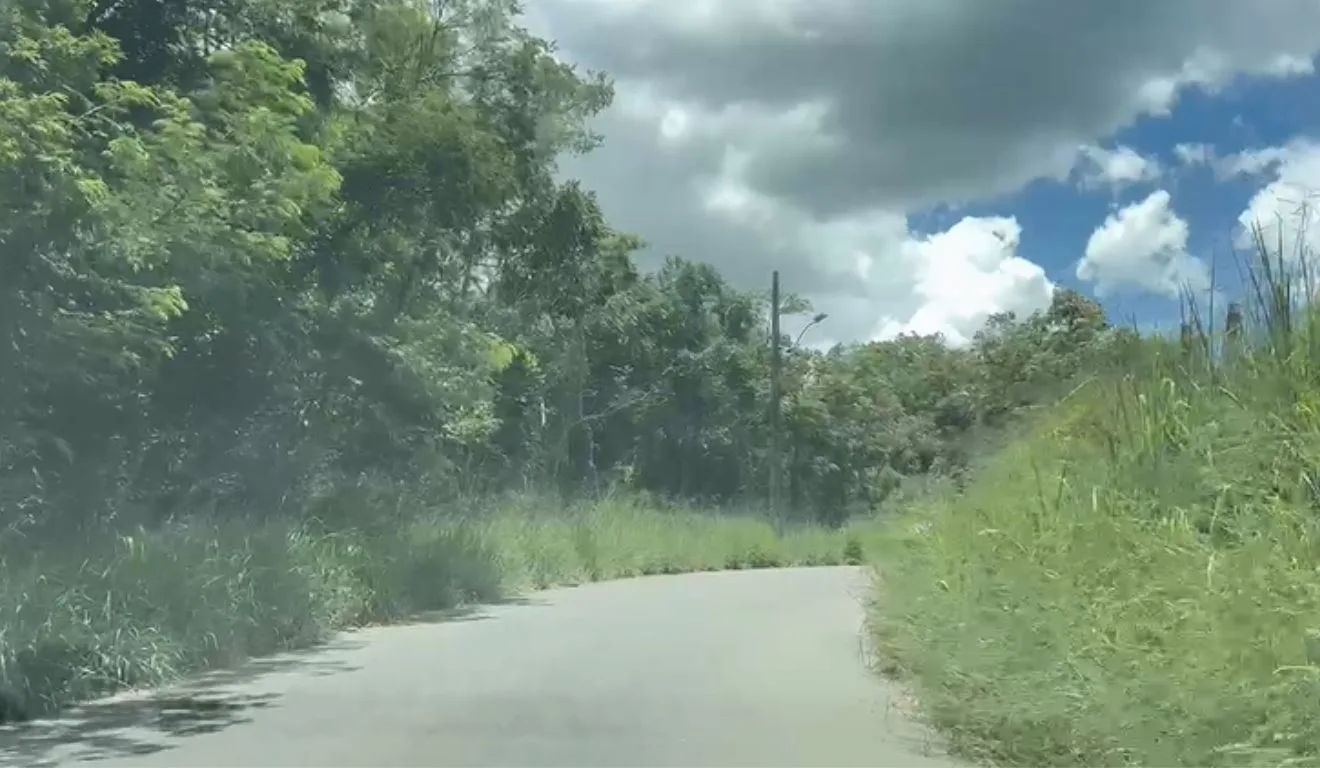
(1138, 580)
(142, 609)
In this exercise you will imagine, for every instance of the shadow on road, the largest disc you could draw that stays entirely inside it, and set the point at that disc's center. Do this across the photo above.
(142, 723)
(116, 728)
(476, 612)
(320, 660)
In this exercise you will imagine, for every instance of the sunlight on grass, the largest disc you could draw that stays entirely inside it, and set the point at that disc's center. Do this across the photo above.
(143, 609)
(1137, 582)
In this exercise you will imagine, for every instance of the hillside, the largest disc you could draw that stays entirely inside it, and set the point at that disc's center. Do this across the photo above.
(1133, 582)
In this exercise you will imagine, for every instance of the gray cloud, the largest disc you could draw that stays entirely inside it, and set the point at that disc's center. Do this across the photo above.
(795, 134)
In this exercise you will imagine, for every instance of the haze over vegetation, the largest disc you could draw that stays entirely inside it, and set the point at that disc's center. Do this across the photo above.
(300, 329)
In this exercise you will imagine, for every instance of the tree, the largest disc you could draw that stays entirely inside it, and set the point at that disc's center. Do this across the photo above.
(260, 253)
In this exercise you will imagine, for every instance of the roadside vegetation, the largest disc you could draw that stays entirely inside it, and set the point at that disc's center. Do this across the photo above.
(300, 328)
(1136, 581)
(143, 607)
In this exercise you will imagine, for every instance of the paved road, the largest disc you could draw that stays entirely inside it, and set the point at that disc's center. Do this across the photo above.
(752, 668)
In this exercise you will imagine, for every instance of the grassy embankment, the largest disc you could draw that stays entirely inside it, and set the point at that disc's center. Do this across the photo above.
(1138, 581)
(142, 609)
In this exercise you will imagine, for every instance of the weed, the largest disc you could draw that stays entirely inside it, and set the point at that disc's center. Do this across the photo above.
(145, 608)
(1136, 581)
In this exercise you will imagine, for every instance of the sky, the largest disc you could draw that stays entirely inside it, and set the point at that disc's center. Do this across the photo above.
(917, 165)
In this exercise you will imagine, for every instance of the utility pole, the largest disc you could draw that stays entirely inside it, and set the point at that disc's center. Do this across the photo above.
(774, 394)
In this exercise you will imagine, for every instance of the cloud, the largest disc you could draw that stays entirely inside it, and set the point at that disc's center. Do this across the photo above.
(766, 134)
(964, 275)
(1115, 168)
(1253, 162)
(1285, 208)
(875, 276)
(1245, 164)
(1143, 247)
(1194, 154)
(1282, 211)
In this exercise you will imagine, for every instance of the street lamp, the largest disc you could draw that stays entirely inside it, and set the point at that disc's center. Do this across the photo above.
(776, 363)
(797, 394)
(817, 320)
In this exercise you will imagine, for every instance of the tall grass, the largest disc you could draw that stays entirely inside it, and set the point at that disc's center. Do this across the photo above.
(1138, 581)
(142, 608)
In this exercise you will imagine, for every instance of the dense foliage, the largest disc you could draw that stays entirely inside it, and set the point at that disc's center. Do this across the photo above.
(257, 252)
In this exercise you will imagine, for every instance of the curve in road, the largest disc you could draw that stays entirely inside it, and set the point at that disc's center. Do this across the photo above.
(745, 668)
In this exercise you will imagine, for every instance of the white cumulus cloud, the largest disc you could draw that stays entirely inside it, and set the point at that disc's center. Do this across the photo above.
(1285, 208)
(965, 274)
(1143, 247)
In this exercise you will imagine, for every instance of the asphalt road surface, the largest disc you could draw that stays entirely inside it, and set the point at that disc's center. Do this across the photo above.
(750, 668)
